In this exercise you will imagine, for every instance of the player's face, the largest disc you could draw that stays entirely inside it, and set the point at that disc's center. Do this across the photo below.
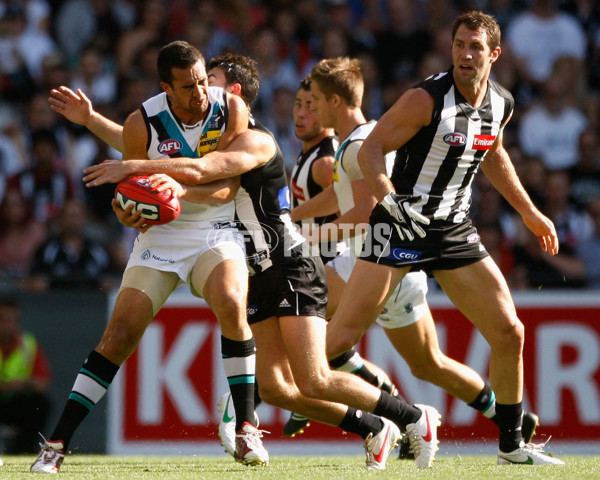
(472, 56)
(321, 105)
(188, 92)
(306, 122)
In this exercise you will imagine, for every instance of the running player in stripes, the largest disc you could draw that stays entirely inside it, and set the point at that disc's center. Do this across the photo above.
(443, 130)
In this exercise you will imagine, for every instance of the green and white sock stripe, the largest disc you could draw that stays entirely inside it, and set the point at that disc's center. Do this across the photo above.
(240, 369)
(88, 389)
(490, 410)
(354, 363)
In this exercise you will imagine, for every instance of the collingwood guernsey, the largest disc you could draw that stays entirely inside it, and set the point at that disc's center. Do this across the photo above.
(440, 161)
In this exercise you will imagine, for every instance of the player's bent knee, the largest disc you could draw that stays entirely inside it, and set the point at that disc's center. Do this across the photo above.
(276, 394)
(430, 369)
(339, 343)
(313, 387)
(510, 339)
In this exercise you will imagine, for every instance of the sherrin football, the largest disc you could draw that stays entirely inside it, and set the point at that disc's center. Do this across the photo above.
(157, 207)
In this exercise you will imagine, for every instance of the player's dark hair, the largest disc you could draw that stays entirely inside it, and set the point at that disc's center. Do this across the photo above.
(239, 69)
(340, 76)
(475, 20)
(305, 83)
(177, 54)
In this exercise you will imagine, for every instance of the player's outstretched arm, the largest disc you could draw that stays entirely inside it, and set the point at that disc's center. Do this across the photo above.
(77, 108)
(247, 151)
(501, 173)
(217, 192)
(321, 205)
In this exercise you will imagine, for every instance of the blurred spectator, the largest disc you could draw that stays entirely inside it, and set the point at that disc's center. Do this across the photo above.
(20, 235)
(551, 128)
(504, 11)
(78, 22)
(587, 13)
(490, 208)
(572, 225)
(273, 73)
(20, 45)
(24, 381)
(207, 32)
(291, 46)
(346, 14)
(564, 269)
(588, 251)
(15, 78)
(152, 18)
(372, 104)
(70, 258)
(281, 123)
(402, 46)
(532, 173)
(38, 117)
(45, 185)
(541, 34)
(94, 77)
(55, 72)
(334, 43)
(37, 13)
(500, 249)
(585, 174)
(13, 155)
(570, 73)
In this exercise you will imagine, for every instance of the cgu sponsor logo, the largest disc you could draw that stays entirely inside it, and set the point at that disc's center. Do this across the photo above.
(169, 146)
(149, 211)
(406, 255)
(455, 139)
(483, 142)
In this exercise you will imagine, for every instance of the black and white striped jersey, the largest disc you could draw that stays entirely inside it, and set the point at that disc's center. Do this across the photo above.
(302, 184)
(440, 161)
(262, 208)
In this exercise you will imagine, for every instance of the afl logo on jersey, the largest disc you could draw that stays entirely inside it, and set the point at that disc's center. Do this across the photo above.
(169, 146)
(455, 139)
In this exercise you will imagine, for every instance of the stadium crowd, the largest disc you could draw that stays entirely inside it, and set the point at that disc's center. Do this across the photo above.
(57, 233)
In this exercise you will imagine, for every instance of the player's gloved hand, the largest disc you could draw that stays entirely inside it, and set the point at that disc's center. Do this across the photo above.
(408, 221)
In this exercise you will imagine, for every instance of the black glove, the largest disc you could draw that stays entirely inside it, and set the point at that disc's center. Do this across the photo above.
(406, 218)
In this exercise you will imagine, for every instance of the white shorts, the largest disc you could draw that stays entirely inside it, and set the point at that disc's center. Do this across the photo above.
(406, 304)
(178, 250)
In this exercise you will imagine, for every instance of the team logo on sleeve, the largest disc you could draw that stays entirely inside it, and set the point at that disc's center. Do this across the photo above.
(455, 139)
(170, 146)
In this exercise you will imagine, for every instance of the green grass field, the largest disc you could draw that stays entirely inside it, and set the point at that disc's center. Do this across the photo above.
(87, 467)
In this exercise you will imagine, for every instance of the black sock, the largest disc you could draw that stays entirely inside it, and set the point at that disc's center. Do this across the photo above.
(352, 362)
(257, 399)
(486, 403)
(396, 410)
(361, 423)
(94, 378)
(509, 421)
(239, 359)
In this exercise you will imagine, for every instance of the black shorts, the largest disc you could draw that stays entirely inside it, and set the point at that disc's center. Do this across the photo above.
(445, 247)
(293, 288)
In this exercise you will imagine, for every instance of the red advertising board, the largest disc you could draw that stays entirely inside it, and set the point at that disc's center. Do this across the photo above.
(164, 398)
